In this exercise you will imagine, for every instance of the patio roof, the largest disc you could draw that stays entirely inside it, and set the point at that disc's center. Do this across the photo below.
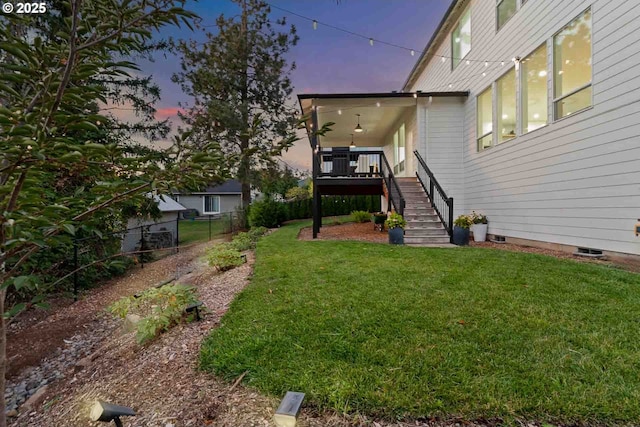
(378, 114)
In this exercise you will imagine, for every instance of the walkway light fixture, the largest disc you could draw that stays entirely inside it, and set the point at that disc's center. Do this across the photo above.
(358, 128)
(107, 412)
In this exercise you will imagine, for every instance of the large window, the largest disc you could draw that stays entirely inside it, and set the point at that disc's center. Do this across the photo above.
(461, 39)
(485, 120)
(572, 67)
(533, 72)
(506, 9)
(211, 204)
(399, 150)
(506, 99)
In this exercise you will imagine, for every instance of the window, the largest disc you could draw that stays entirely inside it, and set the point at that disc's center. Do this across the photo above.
(533, 72)
(485, 120)
(399, 150)
(461, 39)
(506, 94)
(211, 204)
(506, 9)
(572, 67)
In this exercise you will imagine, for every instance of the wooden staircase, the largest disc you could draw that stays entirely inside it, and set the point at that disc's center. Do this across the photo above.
(424, 227)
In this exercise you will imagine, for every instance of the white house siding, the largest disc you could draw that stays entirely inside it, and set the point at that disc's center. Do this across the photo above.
(411, 139)
(576, 181)
(443, 153)
(228, 202)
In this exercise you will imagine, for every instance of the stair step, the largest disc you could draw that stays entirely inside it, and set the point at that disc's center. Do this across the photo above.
(425, 232)
(426, 223)
(413, 219)
(426, 240)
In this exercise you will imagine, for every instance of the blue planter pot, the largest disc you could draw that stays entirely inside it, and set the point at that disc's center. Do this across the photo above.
(460, 236)
(396, 236)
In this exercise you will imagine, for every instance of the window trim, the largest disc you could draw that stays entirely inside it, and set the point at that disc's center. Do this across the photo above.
(522, 82)
(554, 101)
(204, 204)
(454, 66)
(489, 89)
(498, 2)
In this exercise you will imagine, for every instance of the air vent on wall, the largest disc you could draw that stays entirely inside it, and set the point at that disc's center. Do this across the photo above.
(499, 239)
(590, 253)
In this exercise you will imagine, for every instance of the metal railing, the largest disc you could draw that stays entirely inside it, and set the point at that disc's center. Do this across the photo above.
(343, 162)
(393, 189)
(441, 203)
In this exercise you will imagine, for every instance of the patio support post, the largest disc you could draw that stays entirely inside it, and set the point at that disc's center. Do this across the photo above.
(315, 206)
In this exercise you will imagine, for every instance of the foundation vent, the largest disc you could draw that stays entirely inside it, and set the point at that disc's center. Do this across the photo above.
(588, 252)
(499, 239)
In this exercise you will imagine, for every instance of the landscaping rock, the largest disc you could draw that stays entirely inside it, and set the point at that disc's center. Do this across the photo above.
(131, 322)
(36, 398)
(12, 413)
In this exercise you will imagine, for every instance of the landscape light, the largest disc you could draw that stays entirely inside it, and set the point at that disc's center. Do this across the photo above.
(107, 412)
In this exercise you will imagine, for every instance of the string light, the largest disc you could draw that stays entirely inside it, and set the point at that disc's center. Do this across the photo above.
(413, 52)
(443, 59)
(371, 41)
(486, 64)
(378, 104)
(315, 24)
(468, 62)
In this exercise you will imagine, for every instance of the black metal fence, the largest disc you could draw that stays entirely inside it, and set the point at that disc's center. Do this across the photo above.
(141, 242)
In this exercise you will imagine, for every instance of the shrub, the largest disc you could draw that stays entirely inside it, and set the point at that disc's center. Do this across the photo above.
(361, 216)
(223, 259)
(395, 220)
(463, 221)
(257, 232)
(242, 242)
(160, 309)
(267, 213)
(477, 218)
(297, 193)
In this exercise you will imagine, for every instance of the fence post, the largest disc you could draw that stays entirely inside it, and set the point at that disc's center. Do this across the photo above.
(75, 270)
(142, 246)
(178, 233)
(209, 227)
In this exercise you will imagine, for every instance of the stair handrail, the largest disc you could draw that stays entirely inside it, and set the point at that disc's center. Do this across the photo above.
(445, 217)
(389, 181)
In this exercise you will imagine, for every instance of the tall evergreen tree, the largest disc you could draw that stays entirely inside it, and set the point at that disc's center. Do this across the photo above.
(240, 85)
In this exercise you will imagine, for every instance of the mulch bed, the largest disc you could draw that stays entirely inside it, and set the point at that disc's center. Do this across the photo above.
(351, 231)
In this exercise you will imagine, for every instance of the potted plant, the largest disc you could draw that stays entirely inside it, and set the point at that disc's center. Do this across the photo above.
(461, 230)
(378, 220)
(395, 224)
(479, 226)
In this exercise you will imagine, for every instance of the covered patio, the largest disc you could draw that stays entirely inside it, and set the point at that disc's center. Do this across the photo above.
(363, 142)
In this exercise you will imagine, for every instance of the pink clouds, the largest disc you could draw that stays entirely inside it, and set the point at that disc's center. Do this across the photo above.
(165, 113)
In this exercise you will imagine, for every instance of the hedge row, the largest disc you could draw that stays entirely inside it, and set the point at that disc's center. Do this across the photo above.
(270, 214)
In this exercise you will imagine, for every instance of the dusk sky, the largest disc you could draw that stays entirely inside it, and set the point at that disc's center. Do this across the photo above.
(327, 60)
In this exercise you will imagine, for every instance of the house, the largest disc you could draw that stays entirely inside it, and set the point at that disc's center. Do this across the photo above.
(525, 110)
(158, 233)
(213, 200)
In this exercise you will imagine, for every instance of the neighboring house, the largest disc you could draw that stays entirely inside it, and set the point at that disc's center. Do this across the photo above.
(160, 233)
(526, 111)
(213, 200)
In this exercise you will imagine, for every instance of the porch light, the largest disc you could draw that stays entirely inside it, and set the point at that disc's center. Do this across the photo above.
(358, 128)
(415, 95)
(353, 144)
(378, 104)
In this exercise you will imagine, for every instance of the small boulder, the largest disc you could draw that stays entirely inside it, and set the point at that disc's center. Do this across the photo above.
(12, 413)
(131, 322)
(36, 398)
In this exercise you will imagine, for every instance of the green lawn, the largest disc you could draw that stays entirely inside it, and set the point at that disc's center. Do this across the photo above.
(408, 332)
(198, 230)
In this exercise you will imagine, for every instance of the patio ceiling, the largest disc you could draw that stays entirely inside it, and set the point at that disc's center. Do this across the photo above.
(379, 112)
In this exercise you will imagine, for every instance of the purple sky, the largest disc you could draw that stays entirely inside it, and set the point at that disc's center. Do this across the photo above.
(327, 60)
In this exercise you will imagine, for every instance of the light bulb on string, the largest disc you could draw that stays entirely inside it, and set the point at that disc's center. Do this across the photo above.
(371, 41)
(413, 52)
(315, 24)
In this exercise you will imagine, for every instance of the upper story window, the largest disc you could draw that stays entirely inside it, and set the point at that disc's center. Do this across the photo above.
(461, 39)
(506, 100)
(572, 67)
(506, 9)
(534, 95)
(485, 120)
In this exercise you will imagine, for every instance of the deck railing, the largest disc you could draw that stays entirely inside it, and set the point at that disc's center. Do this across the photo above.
(342, 162)
(442, 204)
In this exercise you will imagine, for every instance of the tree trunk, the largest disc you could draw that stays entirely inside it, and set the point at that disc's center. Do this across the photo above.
(3, 358)
(244, 171)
